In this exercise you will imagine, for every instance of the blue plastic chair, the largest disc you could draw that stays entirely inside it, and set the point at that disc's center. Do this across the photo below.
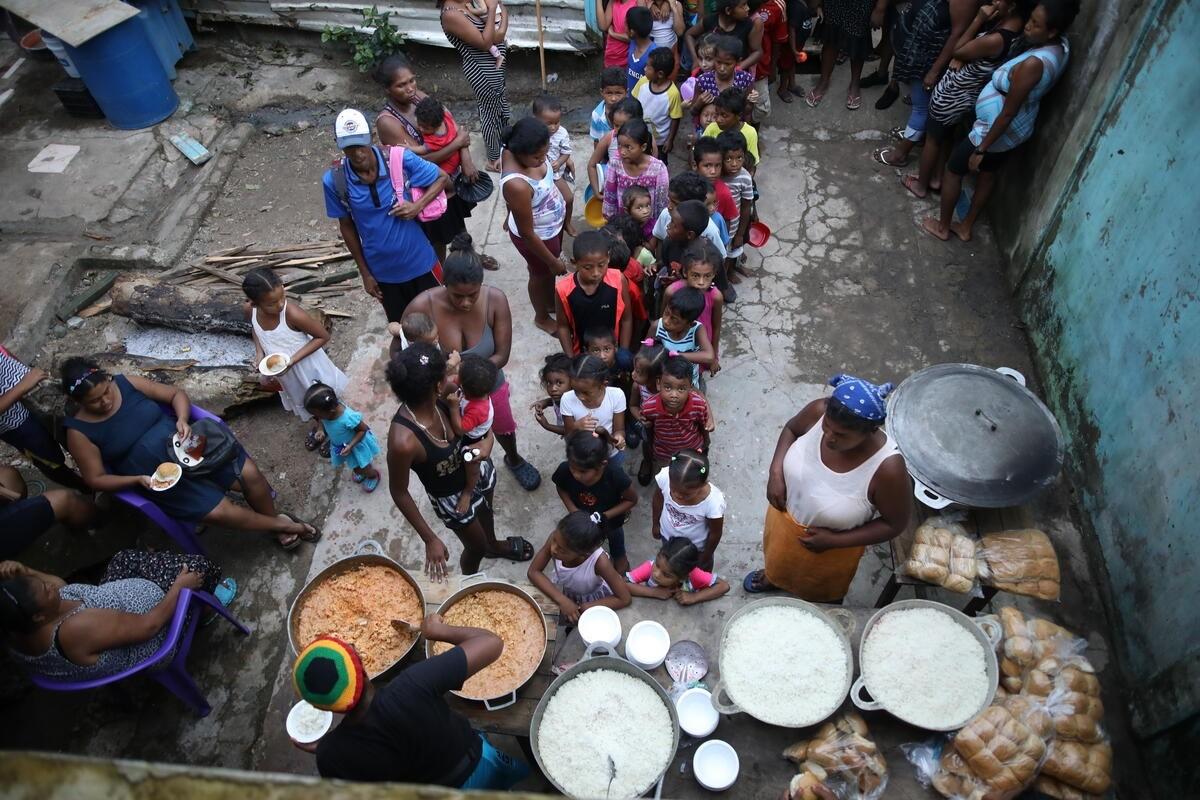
(174, 651)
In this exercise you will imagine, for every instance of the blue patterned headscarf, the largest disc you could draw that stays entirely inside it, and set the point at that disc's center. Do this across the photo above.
(863, 398)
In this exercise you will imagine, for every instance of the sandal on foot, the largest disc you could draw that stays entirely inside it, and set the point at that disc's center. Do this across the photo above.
(311, 538)
(354, 476)
(225, 592)
(526, 474)
(888, 97)
(313, 441)
(519, 549)
(287, 541)
(853, 102)
(756, 582)
(878, 155)
(370, 484)
(908, 181)
(489, 263)
(325, 448)
(814, 98)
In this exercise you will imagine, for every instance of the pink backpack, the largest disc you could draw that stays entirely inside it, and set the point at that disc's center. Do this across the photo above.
(436, 207)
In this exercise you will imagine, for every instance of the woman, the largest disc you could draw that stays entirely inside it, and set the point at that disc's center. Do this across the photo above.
(610, 18)
(537, 212)
(421, 440)
(473, 319)
(1005, 115)
(480, 43)
(847, 30)
(932, 29)
(25, 432)
(119, 426)
(837, 484)
(397, 125)
(81, 632)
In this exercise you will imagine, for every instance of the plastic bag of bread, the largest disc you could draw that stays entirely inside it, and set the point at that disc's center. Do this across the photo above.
(809, 784)
(1022, 562)
(1029, 640)
(943, 554)
(1078, 711)
(1052, 787)
(843, 747)
(1080, 765)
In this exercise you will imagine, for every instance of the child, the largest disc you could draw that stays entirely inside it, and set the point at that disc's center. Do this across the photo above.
(606, 151)
(682, 188)
(472, 418)
(706, 155)
(731, 105)
(710, 202)
(556, 380)
(600, 343)
(699, 266)
(583, 575)
(635, 164)
(353, 443)
(741, 187)
(640, 23)
(594, 296)
(419, 327)
(636, 202)
(620, 232)
(706, 114)
(660, 99)
(439, 130)
(725, 74)
(668, 24)
(677, 418)
(548, 109)
(687, 506)
(592, 404)
(647, 371)
(612, 91)
(280, 327)
(688, 221)
(800, 24)
(679, 331)
(588, 481)
(675, 572)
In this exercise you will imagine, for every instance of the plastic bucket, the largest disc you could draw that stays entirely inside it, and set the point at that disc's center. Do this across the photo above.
(123, 72)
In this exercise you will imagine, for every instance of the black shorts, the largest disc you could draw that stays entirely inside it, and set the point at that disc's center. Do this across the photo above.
(957, 162)
(938, 131)
(21, 522)
(397, 296)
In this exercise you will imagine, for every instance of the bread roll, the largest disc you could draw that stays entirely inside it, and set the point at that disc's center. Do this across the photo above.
(942, 554)
(1022, 562)
(1086, 767)
(843, 746)
(1052, 787)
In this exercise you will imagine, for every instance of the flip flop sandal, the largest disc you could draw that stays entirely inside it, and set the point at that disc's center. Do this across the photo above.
(225, 591)
(907, 182)
(853, 102)
(354, 476)
(755, 582)
(312, 441)
(311, 538)
(325, 448)
(289, 545)
(526, 474)
(897, 132)
(519, 549)
(489, 263)
(878, 156)
(812, 99)
(370, 484)
(785, 95)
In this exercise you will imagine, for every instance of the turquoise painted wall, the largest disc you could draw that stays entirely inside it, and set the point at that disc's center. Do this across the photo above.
(1114, 314)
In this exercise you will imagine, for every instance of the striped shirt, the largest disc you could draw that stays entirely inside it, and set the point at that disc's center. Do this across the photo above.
(684, 344)
(741, 189)
(11, 373)
(600, 124)
(675, 432)
(957, 91)
(991, 100)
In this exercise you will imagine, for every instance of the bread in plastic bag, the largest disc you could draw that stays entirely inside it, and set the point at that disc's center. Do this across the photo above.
(942, 553)
(844, 747)
(1053, 787)
(1084, 766)
(1029, 640)
(803, 785)
(1021, 562)
(1079, 711)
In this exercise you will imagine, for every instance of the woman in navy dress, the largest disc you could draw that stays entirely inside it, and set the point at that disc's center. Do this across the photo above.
(119, 435)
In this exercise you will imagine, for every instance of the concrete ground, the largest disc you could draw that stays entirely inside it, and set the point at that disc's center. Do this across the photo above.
(847, 284)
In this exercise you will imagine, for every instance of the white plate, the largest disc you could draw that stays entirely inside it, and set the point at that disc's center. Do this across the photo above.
(155, 488)
(647, 644)
(716, 765)
(181, 455)
(262, 365)
(323, 721)
(600, 624)
(697, 717)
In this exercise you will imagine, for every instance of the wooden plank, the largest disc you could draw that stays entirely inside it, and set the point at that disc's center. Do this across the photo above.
(88, 296)
(96, 308)
(299, 262)
(222, 274)
(73, 21)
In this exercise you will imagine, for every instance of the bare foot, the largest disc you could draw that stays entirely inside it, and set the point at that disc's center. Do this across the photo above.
(546, 324)
(569, 227)
(961, 231)
(492, 166)
(935, 187)
(935, 229)
(913, 184)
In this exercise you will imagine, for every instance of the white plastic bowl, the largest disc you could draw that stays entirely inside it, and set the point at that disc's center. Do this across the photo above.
(647, 644)
(600, 625)
(716, 765)
(319, 720)
(697, 717)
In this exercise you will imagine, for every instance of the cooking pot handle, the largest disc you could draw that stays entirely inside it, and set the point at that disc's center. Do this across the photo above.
(991, 629)
(844, 618)
(856, 696)
(509, 700)
(1009, 372)
(608, 651)
(369, 545)
(928, 496)
(718, 691)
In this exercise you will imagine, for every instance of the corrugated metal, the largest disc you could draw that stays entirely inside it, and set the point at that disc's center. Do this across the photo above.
(563, 20)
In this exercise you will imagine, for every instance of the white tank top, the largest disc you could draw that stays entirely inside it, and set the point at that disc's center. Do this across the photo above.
(282, 339)
(548, 205)
(818, 496)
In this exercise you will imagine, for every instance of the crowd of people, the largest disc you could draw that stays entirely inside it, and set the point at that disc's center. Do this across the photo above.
(633, 310)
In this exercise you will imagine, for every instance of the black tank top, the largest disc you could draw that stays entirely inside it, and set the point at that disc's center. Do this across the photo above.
(594, 311)
(441, 473)
(740, 31)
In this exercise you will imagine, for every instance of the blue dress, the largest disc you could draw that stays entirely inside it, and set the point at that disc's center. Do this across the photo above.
(137, 438)
(340, 431)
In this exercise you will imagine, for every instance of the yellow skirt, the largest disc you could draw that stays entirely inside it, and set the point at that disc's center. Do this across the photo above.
(815, 577)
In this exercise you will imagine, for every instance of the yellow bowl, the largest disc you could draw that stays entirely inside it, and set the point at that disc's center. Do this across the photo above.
(593, 212)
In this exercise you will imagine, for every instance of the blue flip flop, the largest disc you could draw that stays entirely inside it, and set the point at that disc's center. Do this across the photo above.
(225, 592)
(765, 586)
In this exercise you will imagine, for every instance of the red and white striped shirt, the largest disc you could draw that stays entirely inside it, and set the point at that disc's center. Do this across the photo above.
(675, 432)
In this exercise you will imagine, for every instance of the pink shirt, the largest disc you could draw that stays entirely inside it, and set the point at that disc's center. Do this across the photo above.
(696, 580)
(615, 51)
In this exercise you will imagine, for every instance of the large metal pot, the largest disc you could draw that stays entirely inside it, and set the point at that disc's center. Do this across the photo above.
(838, 619)
(494, 586)
(589, 663)
(974, 436)
(360, 559)
(985, 631)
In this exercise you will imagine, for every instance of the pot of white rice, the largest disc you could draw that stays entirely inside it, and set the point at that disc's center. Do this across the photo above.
(785, 662)
(604, 728)
(928, 664)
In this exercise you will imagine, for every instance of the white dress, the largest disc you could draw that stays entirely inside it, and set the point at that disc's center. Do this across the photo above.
(317, 368)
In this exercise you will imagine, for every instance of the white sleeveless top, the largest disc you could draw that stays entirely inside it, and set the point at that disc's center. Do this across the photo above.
(548, 204)
(295, 382)
(818, 496)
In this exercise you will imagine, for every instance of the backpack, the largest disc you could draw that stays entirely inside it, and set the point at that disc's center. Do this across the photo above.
(395, 160)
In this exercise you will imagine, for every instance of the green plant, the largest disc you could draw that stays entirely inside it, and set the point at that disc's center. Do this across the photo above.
(368, 49)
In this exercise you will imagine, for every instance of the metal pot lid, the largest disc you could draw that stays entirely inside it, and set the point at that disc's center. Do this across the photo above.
(975, 435)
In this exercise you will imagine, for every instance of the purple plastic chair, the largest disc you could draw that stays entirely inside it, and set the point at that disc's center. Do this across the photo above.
(179, 641)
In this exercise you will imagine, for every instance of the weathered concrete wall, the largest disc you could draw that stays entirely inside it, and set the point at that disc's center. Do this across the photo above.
(1109, 292)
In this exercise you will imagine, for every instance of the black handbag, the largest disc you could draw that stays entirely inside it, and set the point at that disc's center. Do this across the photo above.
(220, 447)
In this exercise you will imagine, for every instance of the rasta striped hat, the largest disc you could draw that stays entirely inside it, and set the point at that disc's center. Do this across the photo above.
(329, 675)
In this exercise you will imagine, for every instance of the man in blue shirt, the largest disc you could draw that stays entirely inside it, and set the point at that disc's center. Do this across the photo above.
(381, 230)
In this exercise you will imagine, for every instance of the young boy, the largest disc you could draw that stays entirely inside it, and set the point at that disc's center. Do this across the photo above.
(741, 186)
(471, 417)
(731, 105)
(773, 16)
(710, 202)
(677, 418)
(439, 130)
(419, 327)
(612, 91)
(640, 23)
(706, 154)
(548, 109)
(683, 187)
(593, 297)
(662, 105)
(680, 331)
(689, 220)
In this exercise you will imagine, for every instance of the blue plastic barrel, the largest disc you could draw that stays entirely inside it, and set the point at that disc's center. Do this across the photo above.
(125, 75)
(167, 30)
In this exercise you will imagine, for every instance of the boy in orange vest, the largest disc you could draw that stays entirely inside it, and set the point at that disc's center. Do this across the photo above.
(595, 296)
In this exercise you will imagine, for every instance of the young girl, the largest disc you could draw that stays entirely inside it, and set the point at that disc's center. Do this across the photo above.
(647, 370)
(678, 417)
(675, 572)
(588, 481)
(280, 327)
(637, 204)
(593, 404)
(353, 442)
(700, 264)
(556, 380)
(636, 165)
(583, 575)
(687, 506)
(680, 332)
(725, 73)
(471, 418)
(605, 151)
